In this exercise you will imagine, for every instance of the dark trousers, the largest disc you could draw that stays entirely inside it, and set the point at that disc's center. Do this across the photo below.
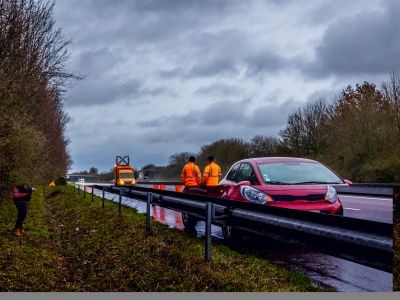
(22, 211)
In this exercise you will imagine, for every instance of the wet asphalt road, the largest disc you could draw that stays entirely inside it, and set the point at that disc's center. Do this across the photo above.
(322, 269)
(378, 209)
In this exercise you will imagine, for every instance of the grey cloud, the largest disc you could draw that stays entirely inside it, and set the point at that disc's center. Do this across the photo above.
(95, 90)
(174, 6)
(96, 61)
(103, 155)
(270, 115)
(265, 62)
(255, 64)
(223, 119)
(220, 66)
(100, 91)
(157, 91)
(171, 73)
(146, 21)
(327, 94)
(227, 52)
(327, 12)
(216, 114)
(219, 90)
(224, 114)
(366, 43)
(157, 6)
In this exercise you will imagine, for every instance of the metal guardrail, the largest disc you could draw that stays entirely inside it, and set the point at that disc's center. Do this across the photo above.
(160, 182)
(363, 241)
(380, 190)
(370, 189)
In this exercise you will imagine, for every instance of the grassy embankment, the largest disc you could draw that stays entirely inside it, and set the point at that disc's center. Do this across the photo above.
(72, 244)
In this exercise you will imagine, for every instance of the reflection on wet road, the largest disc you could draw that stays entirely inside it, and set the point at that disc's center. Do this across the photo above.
(167, 216)
(322, 269)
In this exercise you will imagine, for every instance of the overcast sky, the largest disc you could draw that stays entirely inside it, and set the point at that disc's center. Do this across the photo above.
(167, 76)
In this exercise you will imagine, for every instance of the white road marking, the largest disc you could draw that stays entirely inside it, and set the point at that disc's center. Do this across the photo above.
(379, 199)
(349, 208)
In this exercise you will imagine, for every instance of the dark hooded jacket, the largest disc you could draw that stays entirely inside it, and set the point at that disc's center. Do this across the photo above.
(21, 194)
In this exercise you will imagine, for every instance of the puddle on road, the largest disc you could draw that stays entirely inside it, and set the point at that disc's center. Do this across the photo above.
(322, 269)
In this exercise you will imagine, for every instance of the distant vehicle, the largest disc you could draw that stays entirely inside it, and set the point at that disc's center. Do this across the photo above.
(124, 174)
(81, 180)
(287, 182)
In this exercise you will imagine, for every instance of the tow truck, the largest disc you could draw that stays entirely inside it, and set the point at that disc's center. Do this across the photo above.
(124, 174)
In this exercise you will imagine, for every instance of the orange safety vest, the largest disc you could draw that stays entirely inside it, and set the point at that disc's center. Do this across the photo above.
(191, 175)
(212, 174)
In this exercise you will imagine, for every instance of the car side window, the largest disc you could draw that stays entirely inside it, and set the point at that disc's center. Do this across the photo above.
(233, 172)
(246, 172)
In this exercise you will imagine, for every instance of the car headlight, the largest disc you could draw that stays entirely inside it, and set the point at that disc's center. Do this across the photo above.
(331, 194)
(254, 195)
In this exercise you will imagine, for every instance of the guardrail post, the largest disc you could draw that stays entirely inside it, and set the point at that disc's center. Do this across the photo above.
(209, 209)
(92, 192)
(102, 197)
(84, 191)
(120, 200)
(79, 189)
(149, 200)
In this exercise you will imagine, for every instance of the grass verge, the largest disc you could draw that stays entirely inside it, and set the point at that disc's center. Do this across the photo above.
(72, 244)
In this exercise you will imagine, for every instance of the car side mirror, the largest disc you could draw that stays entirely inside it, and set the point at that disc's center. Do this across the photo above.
(348, 181)
(252, 179)
(244, 182)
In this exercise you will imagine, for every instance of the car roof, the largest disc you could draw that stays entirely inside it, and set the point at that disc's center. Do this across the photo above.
(260, 160)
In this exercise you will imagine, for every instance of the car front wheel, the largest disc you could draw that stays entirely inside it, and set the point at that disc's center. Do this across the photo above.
(231, 234)
(189, 221)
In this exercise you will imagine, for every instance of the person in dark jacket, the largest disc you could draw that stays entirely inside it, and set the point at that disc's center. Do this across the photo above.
(21, 195)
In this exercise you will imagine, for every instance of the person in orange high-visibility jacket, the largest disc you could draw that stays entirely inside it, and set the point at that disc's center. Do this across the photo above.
(212, 173)
(191, 175)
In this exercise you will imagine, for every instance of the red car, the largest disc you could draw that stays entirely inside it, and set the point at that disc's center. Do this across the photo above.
(288, 182)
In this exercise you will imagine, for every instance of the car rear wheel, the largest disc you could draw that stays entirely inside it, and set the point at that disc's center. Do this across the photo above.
(189, 221)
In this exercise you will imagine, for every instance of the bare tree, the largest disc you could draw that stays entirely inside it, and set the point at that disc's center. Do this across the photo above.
(315, 117)
(391, 90)
(292, 135)
(33, 76)
(260, 146)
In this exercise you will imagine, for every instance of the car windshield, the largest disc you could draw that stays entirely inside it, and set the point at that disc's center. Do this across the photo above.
(126, 175)
(297, 173)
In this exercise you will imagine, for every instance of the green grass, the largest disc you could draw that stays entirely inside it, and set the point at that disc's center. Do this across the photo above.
(72, 244)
